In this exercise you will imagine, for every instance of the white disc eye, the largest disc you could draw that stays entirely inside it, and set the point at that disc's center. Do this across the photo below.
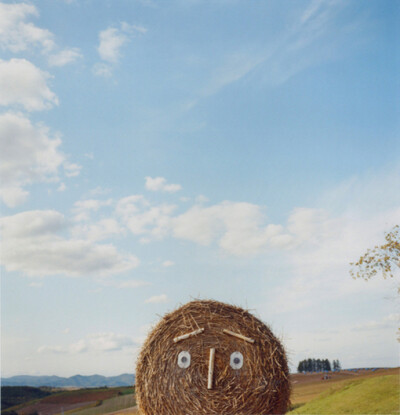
(236, 360)
(184, 359)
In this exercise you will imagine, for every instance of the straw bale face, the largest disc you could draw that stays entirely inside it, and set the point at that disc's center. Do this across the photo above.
(174, 377)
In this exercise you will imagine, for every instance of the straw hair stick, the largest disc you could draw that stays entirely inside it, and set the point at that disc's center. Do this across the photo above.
(239, 336)
(187, 335)
(211, 368)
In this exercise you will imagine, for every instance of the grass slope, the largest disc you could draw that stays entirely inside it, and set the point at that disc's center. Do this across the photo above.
(108, 406)
(378, 395)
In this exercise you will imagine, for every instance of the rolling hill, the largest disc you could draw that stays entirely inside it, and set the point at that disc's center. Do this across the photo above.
(76, 381)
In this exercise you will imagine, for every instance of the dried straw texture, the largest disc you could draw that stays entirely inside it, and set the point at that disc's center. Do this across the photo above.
(260, 386)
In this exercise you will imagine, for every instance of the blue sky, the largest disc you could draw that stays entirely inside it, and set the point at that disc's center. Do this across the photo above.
(160, 151)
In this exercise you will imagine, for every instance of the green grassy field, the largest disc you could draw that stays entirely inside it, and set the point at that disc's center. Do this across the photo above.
(110, 405)
(377, 395)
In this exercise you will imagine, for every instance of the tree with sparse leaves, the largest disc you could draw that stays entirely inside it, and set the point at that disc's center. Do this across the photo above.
(336, 365)
(383, 259)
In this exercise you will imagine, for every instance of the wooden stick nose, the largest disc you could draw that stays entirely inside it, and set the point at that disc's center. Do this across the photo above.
(211, 368)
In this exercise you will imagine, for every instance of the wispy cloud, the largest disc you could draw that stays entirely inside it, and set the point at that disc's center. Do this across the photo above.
(390, 321)
(64, 57)
(111, 41)
(94, 342)
(156, 299)
(312, 39)
(122, 284)
(83, 208)
(160, 184)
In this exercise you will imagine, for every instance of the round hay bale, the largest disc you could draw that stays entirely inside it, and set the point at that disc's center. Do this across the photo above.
(177, 374)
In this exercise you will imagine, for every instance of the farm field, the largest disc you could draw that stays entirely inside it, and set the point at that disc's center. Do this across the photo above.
(364, 391)
(361, 392)
(67, 401)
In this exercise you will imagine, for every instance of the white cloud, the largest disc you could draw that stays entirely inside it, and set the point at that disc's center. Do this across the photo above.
(315, 240)
(108, 342)
(133, 29)
(71, 169)
(103, 229)
(201, 199)
(64, 57)
(16, 34)
(36, 284)
(131, 284)
(326, 240)
(99, 191)
(156, 299)
(111, 40)
(198, 224)
(390, 321)
(168, 264)
(102, 69)
(51, 349)
(13, 195)
(143, 219)
(61, 187)
(123, 284)
(93, 342)
(239, 228)
(33, 244)
(83, 208)
(29, 154)
(22, 84)
(160, 184)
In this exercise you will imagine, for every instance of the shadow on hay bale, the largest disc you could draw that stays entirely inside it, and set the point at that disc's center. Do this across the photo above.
(179, 374)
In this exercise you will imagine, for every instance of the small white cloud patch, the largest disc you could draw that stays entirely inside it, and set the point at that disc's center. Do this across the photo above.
(64, 57)
(156, 184)
(111, 41)
(156, 299)
(94, 342)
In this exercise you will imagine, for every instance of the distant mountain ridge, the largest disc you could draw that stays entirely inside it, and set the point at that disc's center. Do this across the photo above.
(78, 381)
